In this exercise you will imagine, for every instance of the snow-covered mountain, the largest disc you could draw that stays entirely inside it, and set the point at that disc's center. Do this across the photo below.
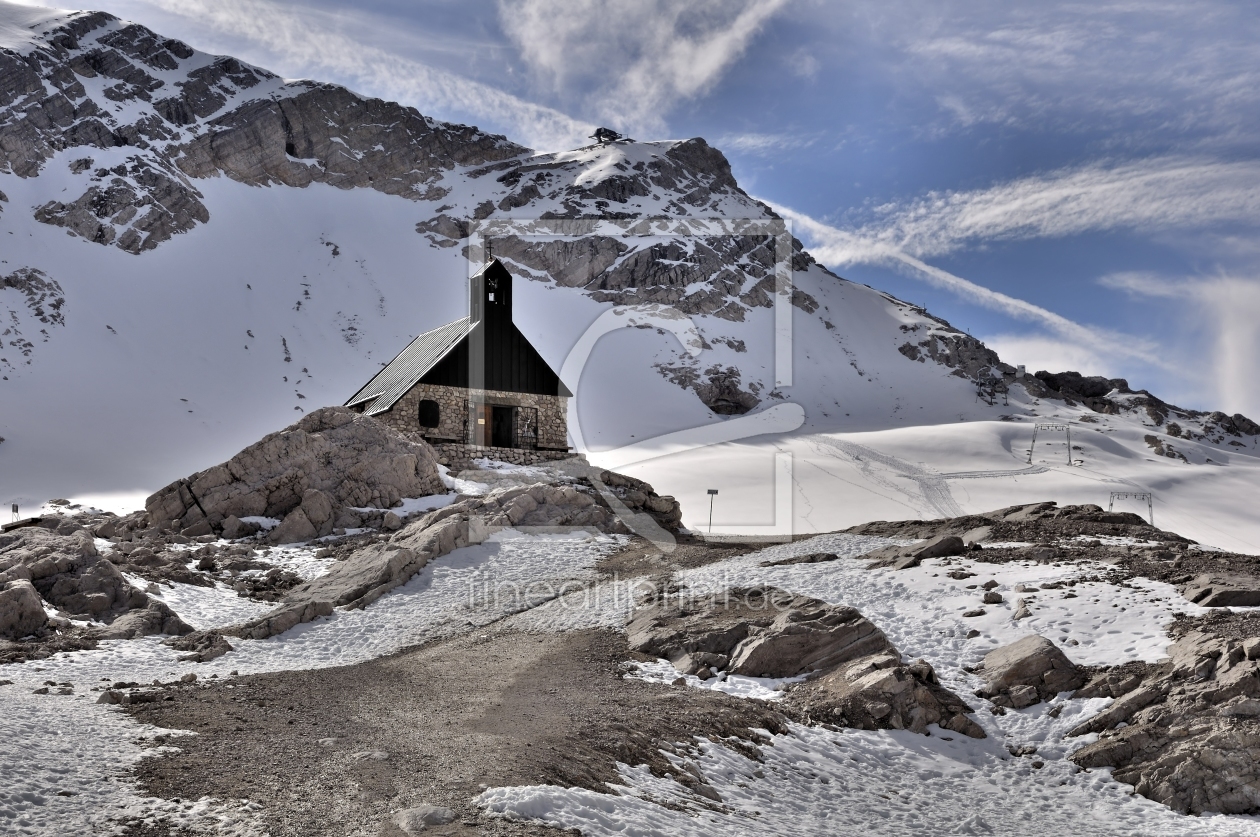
(193, 250)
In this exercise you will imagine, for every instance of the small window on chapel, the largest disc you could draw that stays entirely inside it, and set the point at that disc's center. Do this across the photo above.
(430, 413)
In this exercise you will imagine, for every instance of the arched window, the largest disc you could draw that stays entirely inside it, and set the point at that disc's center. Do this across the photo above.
(430, 414)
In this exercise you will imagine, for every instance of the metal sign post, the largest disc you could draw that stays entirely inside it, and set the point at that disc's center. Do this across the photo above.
(1065, 428)
(712, 493)
(1134, 495)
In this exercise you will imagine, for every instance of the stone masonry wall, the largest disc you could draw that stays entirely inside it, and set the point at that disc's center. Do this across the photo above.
(404, 416)
(459, 457)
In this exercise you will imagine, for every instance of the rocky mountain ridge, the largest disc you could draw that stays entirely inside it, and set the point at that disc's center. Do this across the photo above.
(92, 81)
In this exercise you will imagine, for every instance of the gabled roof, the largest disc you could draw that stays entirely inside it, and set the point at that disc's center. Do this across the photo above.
(406, 370)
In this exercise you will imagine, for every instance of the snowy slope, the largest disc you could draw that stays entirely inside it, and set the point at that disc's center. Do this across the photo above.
(240, 249)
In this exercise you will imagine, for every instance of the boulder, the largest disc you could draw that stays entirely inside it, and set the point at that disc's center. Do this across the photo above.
(413, 821)
(880, 692)
(905, 557)
(809, 635)
(858, 677)
(94, 589)
(21, 610)
(203, 645)
(296, 527)
(155, 618)
(1223, 590)
(330, 459)
(234, 528)
(1034, 662)
(762, 633)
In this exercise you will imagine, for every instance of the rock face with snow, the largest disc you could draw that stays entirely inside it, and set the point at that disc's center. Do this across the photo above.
(304, 475)
(857, 676)
(43, 568)
(373, 570)
(1185, 732)
(93, 81)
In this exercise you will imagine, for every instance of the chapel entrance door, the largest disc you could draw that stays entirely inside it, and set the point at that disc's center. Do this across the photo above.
(503, 427)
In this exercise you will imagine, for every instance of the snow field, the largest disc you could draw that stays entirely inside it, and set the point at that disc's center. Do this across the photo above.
(819, 782)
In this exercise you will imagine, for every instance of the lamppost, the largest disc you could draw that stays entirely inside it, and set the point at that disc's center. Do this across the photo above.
(712, 494)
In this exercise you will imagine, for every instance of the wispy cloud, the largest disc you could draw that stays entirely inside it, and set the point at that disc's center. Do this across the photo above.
(840, 247)
(1226, 309)
(1147, 195)
(1140, 283)
(764, 144)
(306, 42)
(1190, 68)
(634, 61)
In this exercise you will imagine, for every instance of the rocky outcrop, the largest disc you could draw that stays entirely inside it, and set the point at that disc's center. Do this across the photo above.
(189, 115)
(881, 692)
(1026, 672)
(30, 304)
(941, 343)
(857, 677)
(905, 557)
(306, 475)
(721, 275)
(135, 205)
(1113, 396)
(323, 133)
(202, 645)
(1223, 590)
(1186, 732)
(43, 568)
(21, 610)
(719, 388)
(373, 570)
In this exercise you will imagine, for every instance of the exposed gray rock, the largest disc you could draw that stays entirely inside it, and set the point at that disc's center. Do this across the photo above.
(860, 679)
(30, 302)
(39, 565)
(1223, 590)
(371, 571)
(807, 636)
(154, 618)
(21, 610)
(329, 459)
(412, 821)
(1032, 662)
(1186, 732)
(880, 692)
(904, 557)
(204, 645)
(204, 124)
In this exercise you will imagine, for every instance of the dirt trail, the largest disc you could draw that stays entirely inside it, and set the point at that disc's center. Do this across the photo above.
(435, 725)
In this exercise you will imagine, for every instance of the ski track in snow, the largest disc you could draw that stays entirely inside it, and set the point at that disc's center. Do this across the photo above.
(813, 781)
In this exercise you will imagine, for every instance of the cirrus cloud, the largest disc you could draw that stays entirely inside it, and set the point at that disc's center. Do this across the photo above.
(632, 62)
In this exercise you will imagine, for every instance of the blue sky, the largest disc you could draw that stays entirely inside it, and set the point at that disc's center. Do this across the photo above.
(1078, 184)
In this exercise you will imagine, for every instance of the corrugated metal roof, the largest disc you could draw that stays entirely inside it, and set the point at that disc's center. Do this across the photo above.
(404, 371)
